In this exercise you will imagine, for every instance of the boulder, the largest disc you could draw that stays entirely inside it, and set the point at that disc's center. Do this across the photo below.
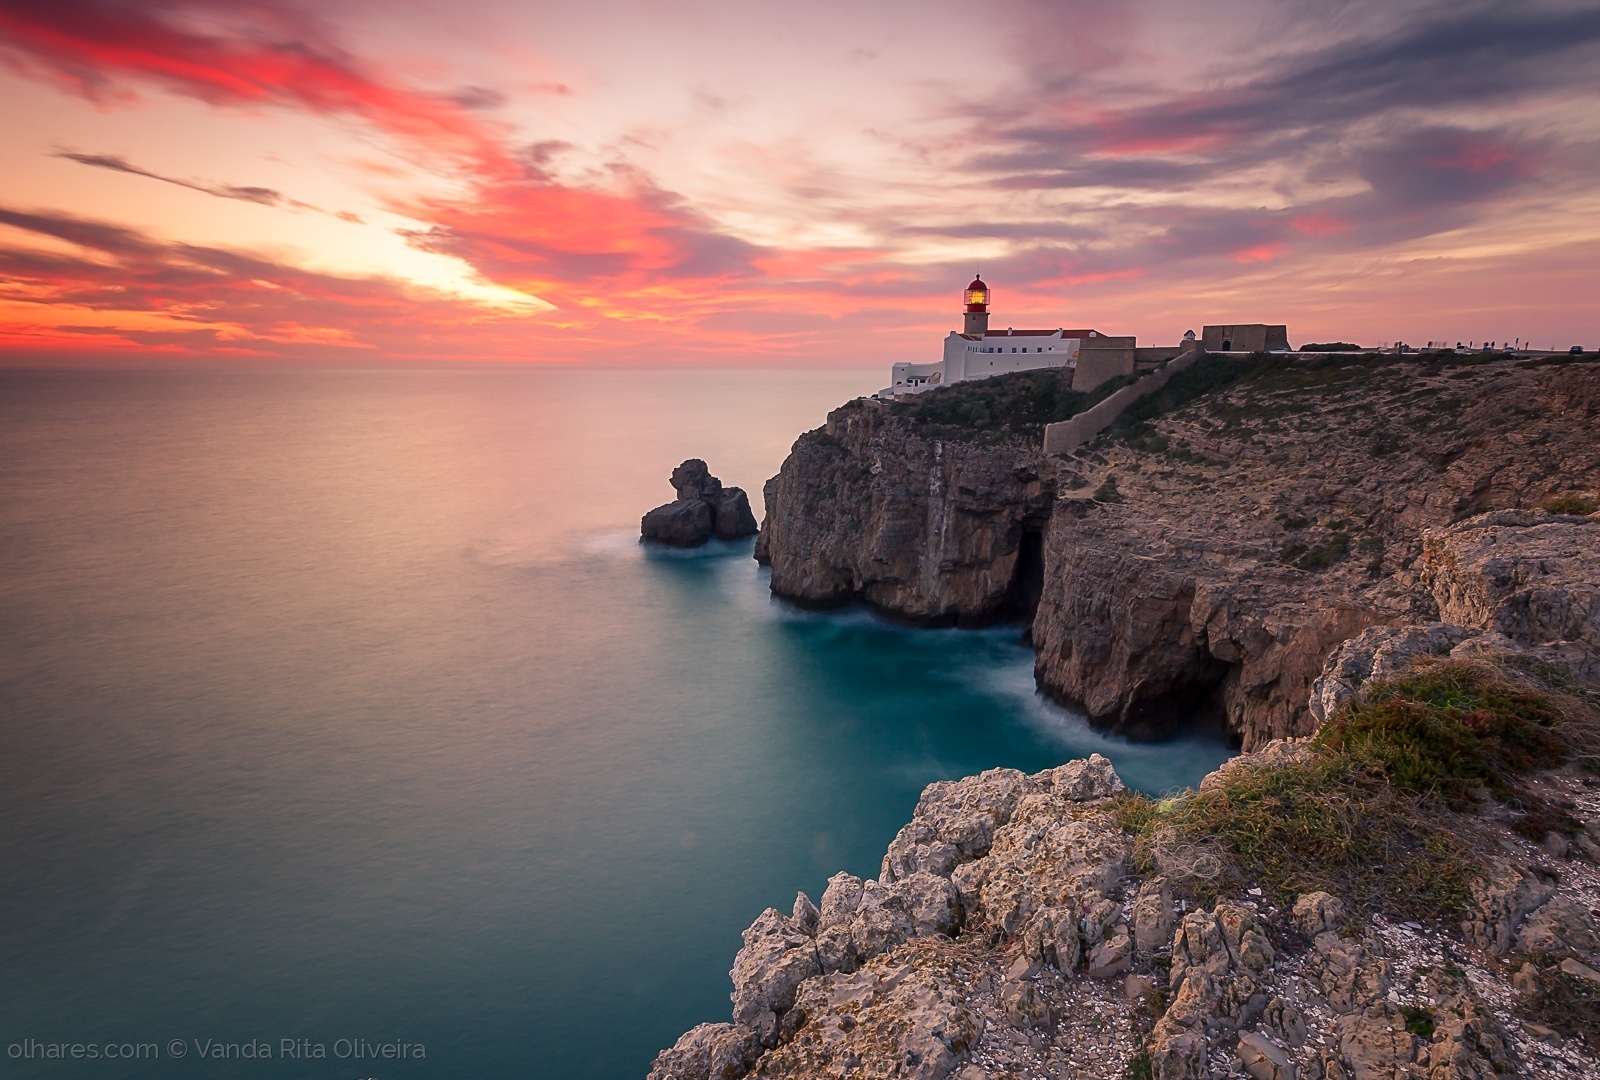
(1562, 927)
(703, 509)
(708, 1052)
(776, 958)
(1153, 916)
(1500, 899)
(731, 514)
(1317, 913)
(1528, 574)
(1264, 1059)
(678, 524)
(693, 480)
(1378, 653)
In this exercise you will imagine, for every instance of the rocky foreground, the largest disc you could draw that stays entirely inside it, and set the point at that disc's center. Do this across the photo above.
(1054, 926)
(1213, 551)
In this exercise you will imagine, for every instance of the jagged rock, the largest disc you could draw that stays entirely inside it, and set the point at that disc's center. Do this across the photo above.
(860, 920)
(955, 822)
(1084, 780)
(1528, 574)
(1562, 927)
(1110, 958)
(891, 1018)
(708, 1052)
(1097, 919)
(731, 516)
(805, 914)
(1052, 937)
(703, 508)
(776, 958)
(1375, 1044)
(1264, 1059)
(1153, 916)
(1285, 1021)
(693, 480)
(1468, 1042)
(1177, 1052)
(1052, 854)
(1024, 1006)
(1500, 900)
(1378, 653)
(1317, 912)
(1351, 974)
(680, 524)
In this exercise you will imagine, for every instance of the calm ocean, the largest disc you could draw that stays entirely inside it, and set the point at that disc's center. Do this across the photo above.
(342, 709)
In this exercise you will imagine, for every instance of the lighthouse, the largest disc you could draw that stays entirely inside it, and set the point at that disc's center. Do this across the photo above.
(978, 352)
(977, 313)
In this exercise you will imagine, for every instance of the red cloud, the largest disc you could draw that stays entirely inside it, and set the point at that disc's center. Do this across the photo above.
(1319, 224)
(83, 44)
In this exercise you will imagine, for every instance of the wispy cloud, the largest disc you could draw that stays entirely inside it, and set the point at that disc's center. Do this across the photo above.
(265, 196)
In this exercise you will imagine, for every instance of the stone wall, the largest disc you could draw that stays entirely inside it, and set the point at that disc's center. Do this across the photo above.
(1102, 358)
(1068, 435)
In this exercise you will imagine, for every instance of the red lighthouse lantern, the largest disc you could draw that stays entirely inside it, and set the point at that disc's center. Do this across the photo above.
(976, 323)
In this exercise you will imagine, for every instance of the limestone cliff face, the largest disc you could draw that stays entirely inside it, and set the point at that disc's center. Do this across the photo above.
(1143, 628)
(1210, 560)
(923, 529)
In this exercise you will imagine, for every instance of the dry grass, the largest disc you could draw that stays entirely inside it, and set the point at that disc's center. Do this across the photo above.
(1369, 810)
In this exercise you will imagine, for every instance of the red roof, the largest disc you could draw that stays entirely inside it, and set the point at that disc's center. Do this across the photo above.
(1031, 333)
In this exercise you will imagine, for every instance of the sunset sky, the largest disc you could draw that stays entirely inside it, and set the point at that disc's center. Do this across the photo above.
(356, 181)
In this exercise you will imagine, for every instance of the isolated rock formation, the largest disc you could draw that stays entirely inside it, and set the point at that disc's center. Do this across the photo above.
(1209, 562)
(703, 509)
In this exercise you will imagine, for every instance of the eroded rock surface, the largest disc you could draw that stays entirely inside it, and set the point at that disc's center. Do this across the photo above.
(929, 530)
(1009, 937)
(1214, 560)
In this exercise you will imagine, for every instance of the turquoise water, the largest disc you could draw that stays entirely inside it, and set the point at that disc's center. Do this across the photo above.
(345, 706)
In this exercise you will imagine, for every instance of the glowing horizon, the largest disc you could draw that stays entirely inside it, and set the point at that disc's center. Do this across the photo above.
(203, 182)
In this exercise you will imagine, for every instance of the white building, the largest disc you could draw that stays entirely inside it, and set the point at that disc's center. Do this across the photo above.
(976, 352)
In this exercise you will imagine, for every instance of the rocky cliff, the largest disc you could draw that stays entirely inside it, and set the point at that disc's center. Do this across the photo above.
(1031, 927)
(925, 529)
(1210, 554)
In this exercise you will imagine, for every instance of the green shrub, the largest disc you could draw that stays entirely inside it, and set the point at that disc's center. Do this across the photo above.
(1571, 504)
(1419, 1021)
(1450, 729)
(1018, 403)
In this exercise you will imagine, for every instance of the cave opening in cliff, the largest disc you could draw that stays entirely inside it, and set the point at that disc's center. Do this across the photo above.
(1027, 576)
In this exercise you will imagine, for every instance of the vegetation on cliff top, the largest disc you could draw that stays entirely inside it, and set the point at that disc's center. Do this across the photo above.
(1015, 405)
(1365, 809)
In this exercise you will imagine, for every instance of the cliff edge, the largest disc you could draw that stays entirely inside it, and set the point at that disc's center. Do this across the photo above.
(1210, 553)
(1332, 908)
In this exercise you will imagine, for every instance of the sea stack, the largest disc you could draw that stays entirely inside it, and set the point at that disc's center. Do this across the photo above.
(703, 509)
